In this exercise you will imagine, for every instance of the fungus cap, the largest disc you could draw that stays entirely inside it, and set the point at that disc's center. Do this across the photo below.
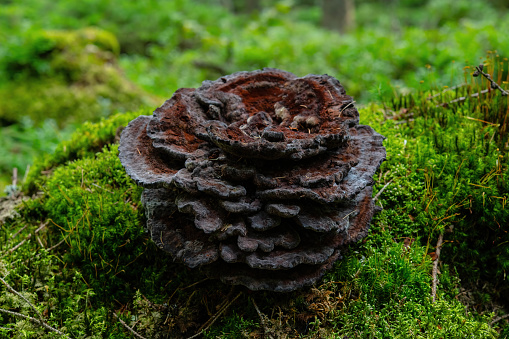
(260, 178)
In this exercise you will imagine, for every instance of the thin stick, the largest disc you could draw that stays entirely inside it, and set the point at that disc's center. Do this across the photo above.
(17, 246)
(348, 105)
(435, 266)
(215, 317)
(12, 290)
(494, 85)
(222, 307)
(14, 177)
(37, 321)
(474, 95)
(26, 173)
(194, 284)
(55, 246)
(129, 328)
(24, 240)
(265, 330)
(19, 231)
(446, 90)
(499, 318)
(380, 192)
(39, 241)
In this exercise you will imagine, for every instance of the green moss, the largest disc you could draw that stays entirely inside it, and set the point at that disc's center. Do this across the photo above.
(68, 76)
(69, 54)
(439, 165)
(389, 287)
(104, 40)
(95, 208)
(85, 142)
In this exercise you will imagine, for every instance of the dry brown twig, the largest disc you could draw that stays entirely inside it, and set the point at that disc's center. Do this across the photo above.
(24, 240)
(431, 97)
(381, 191)
(39, 321)
(474, 95)
(497, 319)
(435, 266)
(55, 246)
(260, 314)
(479, 71)
(136, 334)
(212, 320)
(18, 232)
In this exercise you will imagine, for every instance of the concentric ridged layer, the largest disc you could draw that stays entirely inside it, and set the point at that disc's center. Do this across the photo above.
(259, 177)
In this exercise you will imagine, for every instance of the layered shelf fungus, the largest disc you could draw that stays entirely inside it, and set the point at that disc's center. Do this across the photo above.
(260, 178)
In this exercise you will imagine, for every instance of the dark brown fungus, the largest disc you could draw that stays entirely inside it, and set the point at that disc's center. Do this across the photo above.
(260, 178)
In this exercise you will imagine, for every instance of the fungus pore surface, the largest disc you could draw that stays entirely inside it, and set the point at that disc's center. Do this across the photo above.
(260, 178)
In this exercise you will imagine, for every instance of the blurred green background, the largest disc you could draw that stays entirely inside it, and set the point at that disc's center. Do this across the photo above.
(66, 62)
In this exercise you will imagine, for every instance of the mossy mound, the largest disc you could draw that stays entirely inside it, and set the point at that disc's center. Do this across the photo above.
(80, 254)
(68, 76)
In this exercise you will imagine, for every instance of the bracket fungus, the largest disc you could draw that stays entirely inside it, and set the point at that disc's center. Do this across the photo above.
(260, 178)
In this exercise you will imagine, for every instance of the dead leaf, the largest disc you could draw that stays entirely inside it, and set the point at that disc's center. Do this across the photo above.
(433, 256)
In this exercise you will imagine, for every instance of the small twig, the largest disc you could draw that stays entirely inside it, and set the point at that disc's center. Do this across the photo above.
(474, 95)
(435, 266)
(128, 327)
(34, 320)
(102, 188)
(212, 320)
(446, 90)
(478, 71)
(348, 105)
(403, 122)
(499, 318)
(494, 85)
(26, 173)
(194, 284)
(39, 321)
(55, 246)
(41, 227)
(483, 121)
(14, 177)
(265, 330)
(12, 290)
(24, 240)
(380, 192)
(19, 231)
(40, 242)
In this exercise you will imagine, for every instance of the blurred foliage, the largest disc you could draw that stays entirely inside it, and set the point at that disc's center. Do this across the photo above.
(73, 73)
(24, 141)
(171, 44)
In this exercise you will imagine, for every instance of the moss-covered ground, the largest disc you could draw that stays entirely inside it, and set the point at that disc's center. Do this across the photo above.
(75, 260)
(78, 253)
